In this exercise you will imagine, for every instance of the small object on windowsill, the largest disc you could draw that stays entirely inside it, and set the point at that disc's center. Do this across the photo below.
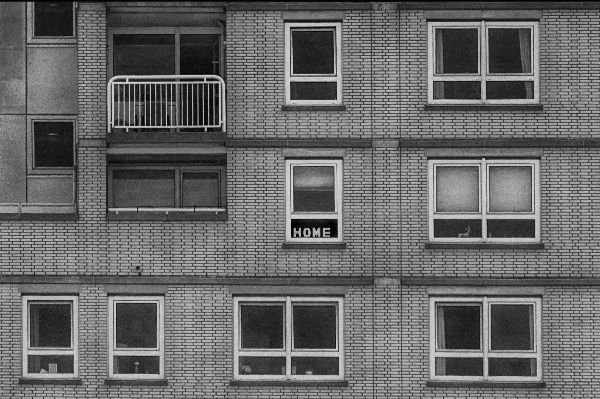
(246, 369)
(43, 371)
(309, 372)
(53, 368)
(466, 233)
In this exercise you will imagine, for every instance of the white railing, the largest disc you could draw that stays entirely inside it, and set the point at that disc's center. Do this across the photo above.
(166, 102)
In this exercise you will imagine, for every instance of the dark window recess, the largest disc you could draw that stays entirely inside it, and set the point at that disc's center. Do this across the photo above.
(509, 90)
(459, 366)
(313, 52)
(512, 367)
(143, 188)
(509, 50)
(315, 328)
(144, 54)
(313, 90)
(50, 364)
(262, 365)
(200, 189)
(315, 365)
(459, 327)
(314, 228)
(456, 51)
(511, 228)
(136, 365)
(458, 228)
(136, 325)
(457, 90)
(53, 19)
(262, 327)
(50, 325)
(53, 144)
(512, 327)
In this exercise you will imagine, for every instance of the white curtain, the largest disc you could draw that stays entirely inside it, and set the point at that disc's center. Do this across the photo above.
(438, 89)
(525, 47)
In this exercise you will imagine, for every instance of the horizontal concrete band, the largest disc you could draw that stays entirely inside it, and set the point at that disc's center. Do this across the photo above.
(495, 5)
(535, 142)
(301, 6)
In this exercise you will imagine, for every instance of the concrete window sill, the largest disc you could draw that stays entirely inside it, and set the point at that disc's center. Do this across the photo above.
(49, 381)
(504, 246)
(485, 384)
(312, 245)
(114, 381)
(313, 107)
(240, 383)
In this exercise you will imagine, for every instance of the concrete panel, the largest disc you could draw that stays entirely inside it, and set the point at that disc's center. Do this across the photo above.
(52, 80)
(50, 189)
(12, 57)
(13, 155)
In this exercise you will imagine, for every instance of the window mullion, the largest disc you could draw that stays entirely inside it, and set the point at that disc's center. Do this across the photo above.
(288, 337)
(484, 200)
(483, 54)
(486, 337)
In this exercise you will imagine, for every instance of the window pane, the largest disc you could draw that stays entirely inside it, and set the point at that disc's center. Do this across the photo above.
(509, 50)
(313, 52)
(313, 91)
(456, 51)
(53, 144)
(136, 365)
(459, 327)
(262, 365)
(457, 90)
(52, 364)
(511, 327)
(200, 189)
(145, 188)
(510, 189)
(262, 326)
(136, 325)
(457, 188)
(53, 19)
(315, 365)
(314, 188)
(144, 55)
(513, 367)
(50, 325)
(199, 54)
(459, 366)
(314, 228)
(511, 228)
(315, 327)
(509, 90)
(457, 228)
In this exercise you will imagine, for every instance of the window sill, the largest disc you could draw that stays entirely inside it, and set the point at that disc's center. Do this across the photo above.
(49, 381)
(485, 384)
(532, 246)
(114, 381)
(480, 107)
(313, 108)
(313, 245)
(164, 216)
(288, 383)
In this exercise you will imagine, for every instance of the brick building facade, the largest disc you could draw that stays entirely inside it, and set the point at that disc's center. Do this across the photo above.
(281, 200)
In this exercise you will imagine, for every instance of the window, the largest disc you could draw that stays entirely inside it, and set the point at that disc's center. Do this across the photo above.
(53, 19)
(53, 144)
(483, 63)
(485, 339)
(136, 349)
(185, 188)
(313, 72)
(484, 200)
(314, 200)
(50, 337)
(288, 338)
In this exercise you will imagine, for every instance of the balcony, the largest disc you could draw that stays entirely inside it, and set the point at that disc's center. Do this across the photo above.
(166, 103)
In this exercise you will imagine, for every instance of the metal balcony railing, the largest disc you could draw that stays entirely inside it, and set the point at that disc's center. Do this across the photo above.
(166, 102)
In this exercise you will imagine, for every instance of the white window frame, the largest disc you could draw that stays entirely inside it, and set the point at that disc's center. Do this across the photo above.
(484, 214)
(485, 352)
(483, 74)
(290, 214)
(113, 351)
(290, 77)
(32, 39)
(288, 351)
(73, 350)
(53, 170)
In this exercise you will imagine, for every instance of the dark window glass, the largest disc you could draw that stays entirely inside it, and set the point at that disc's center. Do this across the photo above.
(262, 365)
(313, 52)
(509, 50)
(315, 327)
(313, 90)
(199, 54)
(50, 325)
(459, 366)
(518, 228)
(143, 54)
(458, 228)
(459, 327)
(315, 365)
(511, 327)
(53, 19)
(262, 326)
(143, 188)
(509, 90)
(457, 90)
(136, 365)
(200, 189)
(314, 188)
(52, 364)
(512, 367)
(53, 144)
(456, 51)
(136, 325)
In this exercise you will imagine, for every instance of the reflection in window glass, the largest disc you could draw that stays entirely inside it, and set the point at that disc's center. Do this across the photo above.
(53, 19)
(314, 188)
(457, 189)
(53, 144)
(510, 189)
(136, 325)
